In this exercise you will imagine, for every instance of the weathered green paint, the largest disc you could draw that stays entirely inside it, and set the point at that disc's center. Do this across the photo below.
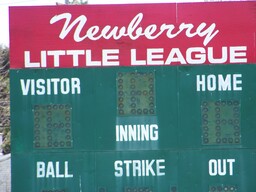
(177, 110)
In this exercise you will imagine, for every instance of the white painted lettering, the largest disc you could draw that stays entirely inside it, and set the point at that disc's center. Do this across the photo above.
(40, 87)
(237, 82)
(56, 56)
(199, 55)
(136, 168)
(224, 84)
(230, 82)
(155, 56)
(43, 59)
(52, 170)
(118, 168)
(148, 132)
(200, 83)
(75, 54)
(127, 167)
(219, 167)
(110, 57)
(140, 168)
(64, 86)
(67, 174)
(40, 169)
(160, 167)
(149, 56)
(230, 162)
(58, 174)
(55, 82)
(48, 86)
(223, 59)
(134, 60)
(191, 56)
(28, 63)
(89, 60)
(133, 30)
(75, 85)
(238, 54)
(222, 167)
(25, 86)
(211, 82)
(175, 56)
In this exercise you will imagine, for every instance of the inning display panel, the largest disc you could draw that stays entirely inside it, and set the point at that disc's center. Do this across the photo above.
(98, 104)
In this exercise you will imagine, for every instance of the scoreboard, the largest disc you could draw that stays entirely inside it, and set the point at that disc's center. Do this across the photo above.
(133, 98)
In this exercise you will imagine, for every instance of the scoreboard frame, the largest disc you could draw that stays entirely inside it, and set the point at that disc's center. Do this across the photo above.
(128, 98)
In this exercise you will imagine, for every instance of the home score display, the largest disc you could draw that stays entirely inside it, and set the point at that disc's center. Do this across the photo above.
(133, 98)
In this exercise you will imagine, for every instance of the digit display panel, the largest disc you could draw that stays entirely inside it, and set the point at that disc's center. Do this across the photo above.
(52, 126)
(135, 93)
(221, 122)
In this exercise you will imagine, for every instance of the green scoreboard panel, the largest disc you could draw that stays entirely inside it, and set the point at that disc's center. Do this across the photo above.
(134, 129)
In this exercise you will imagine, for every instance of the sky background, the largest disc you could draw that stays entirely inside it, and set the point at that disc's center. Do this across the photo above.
(5, 4)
